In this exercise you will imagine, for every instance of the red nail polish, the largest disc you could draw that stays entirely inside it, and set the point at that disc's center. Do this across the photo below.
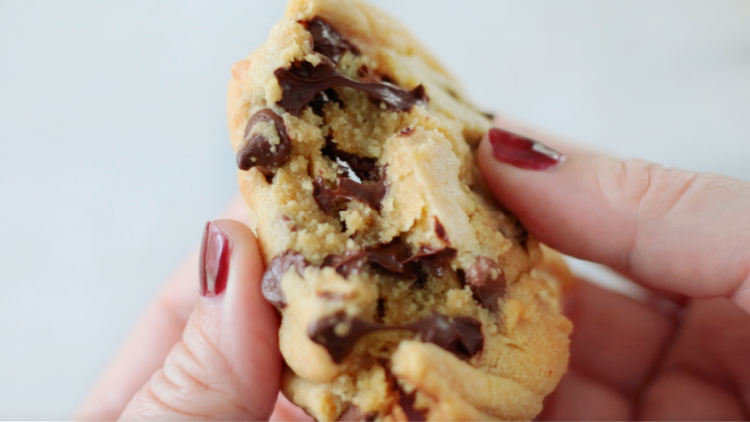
(214, 260)
(522, 152)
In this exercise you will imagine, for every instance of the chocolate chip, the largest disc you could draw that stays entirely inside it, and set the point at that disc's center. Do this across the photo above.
(487, 281)
(394, 256)
(434, 260)
(323, 98)
(258, 151)
(371, 194)
(301, 82)
(364, 167)
(354, 414)
(406, 401)
(271, 283)
(349, 262)
(440, 231)
(327, 41)
(461, 336)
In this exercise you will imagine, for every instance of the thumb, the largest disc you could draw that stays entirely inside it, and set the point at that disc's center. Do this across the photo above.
(676, 230)
(227, 365)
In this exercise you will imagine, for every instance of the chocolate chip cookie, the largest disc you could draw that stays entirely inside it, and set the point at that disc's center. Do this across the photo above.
(406, 291)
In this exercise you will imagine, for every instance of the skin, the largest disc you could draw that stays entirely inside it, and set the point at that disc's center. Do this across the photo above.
(679, 353)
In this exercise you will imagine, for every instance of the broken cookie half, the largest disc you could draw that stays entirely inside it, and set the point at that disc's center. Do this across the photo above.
(406, 292)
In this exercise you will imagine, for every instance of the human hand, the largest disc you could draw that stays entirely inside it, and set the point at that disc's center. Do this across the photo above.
(193, 357)
(685, 236)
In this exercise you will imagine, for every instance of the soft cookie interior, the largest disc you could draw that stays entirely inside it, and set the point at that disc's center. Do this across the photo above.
(405, 290)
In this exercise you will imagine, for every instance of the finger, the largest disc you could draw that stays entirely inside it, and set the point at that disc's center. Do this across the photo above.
(580, 398)
(148, 344)
(227, 365)
(617, 341)
(681, 231)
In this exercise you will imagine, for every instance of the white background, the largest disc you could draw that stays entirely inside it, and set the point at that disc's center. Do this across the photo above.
(114, 151)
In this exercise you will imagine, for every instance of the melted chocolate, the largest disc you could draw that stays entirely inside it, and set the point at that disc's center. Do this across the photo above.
(301, 82)
(394, 256)
(271, 283)
(349, 262)
(435, 260)
(365, 74)
(323, 98)
(487, 281)
(364, 167)
(461, 336)
(327, 41)
(354, 414)
(323, 332)
(258, 151)
(371, 194)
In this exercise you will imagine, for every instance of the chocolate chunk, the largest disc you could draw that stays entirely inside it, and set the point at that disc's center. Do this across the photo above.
(440, 231)
(324, 333)
(258, 151)
(365, 168)
(371, 194)
(271, 283)
(406, 401)
(301, 82)
(323, 98)
(434, 260)
(354, 414)
(394, 257)
(487, 281)
(461, 336)
(349, 262)
(327, 41)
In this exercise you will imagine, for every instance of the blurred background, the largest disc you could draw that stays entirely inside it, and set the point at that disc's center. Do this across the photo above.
(114, 150)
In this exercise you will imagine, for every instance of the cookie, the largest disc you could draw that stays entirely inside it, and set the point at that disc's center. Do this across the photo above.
(406, 291)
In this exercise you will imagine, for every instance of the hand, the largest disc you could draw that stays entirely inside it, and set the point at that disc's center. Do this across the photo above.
(193, 357)
(684, 235)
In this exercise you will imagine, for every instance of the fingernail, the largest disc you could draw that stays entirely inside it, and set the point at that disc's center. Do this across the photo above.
(522, 152)
(216, 250)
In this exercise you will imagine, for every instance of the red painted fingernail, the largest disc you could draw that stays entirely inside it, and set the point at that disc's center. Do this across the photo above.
(522, 152)
(214, 260)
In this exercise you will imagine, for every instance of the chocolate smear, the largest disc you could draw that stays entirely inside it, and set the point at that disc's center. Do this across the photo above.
(327, 41)
(338, 333)
(354, 414)
(258, 151)
(371, 194)
(271, 282)
(301, 82)
(348, 263)
(407, 131)
(364, 167)
(434, 260)
(487, 281)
